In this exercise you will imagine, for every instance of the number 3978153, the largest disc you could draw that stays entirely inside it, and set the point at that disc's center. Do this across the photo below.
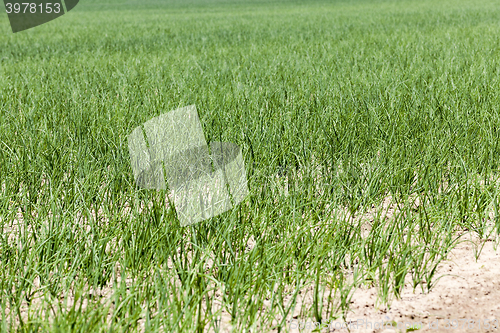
(33, 8)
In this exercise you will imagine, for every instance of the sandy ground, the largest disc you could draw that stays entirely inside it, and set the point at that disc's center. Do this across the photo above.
(465, 299)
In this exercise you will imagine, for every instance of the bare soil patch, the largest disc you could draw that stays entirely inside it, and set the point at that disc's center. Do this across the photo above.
(465, 299)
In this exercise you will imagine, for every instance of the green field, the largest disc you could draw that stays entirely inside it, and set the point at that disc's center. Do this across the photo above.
(337, 105)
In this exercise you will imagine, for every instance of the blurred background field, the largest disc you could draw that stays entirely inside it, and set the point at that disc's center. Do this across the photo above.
(338, 106)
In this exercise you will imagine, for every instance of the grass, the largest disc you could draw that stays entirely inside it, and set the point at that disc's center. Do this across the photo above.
(336, 105)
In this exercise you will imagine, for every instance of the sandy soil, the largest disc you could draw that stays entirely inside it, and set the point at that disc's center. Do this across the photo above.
(465, 299)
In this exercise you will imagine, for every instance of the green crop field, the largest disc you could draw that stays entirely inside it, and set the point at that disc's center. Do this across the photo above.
(338, 106)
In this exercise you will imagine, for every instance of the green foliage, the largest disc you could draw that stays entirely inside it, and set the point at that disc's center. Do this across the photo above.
(337, 105)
